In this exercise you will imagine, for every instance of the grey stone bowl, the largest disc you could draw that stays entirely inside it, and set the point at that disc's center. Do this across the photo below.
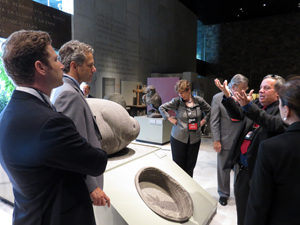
(164, 195)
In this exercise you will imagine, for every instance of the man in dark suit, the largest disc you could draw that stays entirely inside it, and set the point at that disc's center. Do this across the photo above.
(261, 120)
(40, 149)
(224, 130)
(78, 61)
(274, 196)
(86, 91)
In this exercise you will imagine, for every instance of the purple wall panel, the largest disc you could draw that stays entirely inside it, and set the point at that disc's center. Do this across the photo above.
(165, 88)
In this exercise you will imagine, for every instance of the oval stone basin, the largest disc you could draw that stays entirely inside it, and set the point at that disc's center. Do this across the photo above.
(163, 194)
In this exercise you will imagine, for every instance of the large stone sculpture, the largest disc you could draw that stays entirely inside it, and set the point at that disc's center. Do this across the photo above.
(116, 97)
(153, 99)
(117, 127)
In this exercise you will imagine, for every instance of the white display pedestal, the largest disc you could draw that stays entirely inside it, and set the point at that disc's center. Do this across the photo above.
(154, 130)
(129, 208)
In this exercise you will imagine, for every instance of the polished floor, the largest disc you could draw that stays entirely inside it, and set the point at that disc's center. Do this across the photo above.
(205, 174)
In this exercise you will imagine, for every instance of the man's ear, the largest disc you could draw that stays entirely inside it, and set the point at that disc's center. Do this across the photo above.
(277, 95)
(40, 67)
(73, 65)
(286, 111)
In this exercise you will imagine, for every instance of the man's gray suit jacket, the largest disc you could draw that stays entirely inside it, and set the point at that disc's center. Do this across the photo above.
(222, 128)
(69, 100)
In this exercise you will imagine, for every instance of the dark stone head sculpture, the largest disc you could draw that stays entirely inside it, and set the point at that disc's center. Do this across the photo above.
(153, 99)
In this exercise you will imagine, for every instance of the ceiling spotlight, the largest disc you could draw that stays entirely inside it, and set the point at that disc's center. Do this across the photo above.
(264, 4)
(242, 8)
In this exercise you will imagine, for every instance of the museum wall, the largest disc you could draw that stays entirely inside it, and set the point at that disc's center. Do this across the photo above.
(253, 48)
(134, 38)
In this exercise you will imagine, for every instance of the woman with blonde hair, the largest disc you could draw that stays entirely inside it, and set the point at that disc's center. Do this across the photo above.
(186, 132)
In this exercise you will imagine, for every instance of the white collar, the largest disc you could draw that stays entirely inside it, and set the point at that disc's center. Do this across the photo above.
(32, 91)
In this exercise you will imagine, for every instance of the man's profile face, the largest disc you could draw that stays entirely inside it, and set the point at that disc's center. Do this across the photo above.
(54, 71)
(267, 92)
(240, 87)
(87, 69)
(86, 89)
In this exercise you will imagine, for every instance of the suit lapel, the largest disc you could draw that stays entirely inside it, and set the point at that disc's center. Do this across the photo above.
(70, 82)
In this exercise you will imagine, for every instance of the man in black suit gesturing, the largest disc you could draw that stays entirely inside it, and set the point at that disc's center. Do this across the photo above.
(260, 121)
(40, 149)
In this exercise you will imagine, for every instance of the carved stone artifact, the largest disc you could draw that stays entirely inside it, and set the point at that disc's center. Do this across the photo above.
(164, 195)
(153, 99)
(117, 127)
(116, 97)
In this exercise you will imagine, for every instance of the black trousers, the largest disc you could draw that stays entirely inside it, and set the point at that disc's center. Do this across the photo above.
(185, 155)
(241, 192)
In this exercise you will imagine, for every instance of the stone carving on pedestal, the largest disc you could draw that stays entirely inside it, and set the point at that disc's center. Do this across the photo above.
(153, 99)
(116, 97)
(117, 127)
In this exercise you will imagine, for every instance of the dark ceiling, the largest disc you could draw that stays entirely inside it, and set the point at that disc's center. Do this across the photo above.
(220, 11)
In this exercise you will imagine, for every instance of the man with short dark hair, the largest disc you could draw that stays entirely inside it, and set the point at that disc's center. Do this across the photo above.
(40, 149)
(261, 120)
